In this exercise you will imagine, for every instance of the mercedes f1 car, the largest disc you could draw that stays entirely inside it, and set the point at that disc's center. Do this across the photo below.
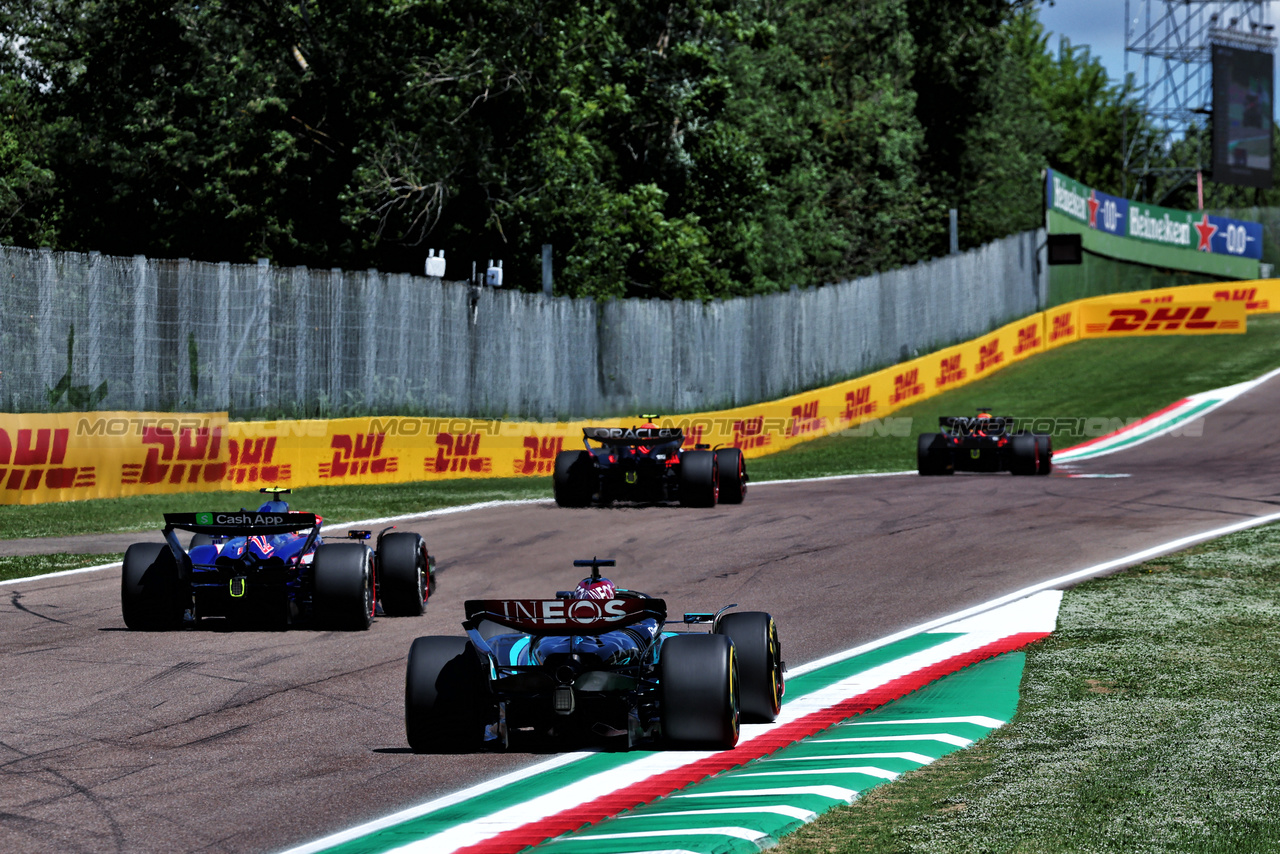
(271, 567)
(597, 663)
(647, 464)
(983, 443)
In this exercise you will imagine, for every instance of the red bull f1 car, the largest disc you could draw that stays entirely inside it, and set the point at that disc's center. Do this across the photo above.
(595, 664)
(271, 568)
(984, 443)
(647, 464)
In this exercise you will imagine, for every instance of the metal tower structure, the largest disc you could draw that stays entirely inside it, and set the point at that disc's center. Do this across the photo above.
(1171, 40)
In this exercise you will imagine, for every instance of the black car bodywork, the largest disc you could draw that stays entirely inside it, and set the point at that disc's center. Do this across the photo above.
(983, 443)
(647, 464)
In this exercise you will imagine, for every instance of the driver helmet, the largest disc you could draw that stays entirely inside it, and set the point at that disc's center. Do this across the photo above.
(274, 507)
(595, 588)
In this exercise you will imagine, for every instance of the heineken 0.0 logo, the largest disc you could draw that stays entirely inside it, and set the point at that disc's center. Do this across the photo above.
(204, 518)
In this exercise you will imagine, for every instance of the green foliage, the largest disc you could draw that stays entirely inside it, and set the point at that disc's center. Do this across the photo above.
(697, 149)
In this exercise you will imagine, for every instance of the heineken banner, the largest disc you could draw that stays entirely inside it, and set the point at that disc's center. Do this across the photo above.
(1177, 229)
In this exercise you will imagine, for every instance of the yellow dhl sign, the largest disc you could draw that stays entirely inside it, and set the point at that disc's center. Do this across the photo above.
(73, 456)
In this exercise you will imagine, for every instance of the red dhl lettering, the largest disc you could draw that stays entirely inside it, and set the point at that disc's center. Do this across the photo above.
(749, 433)
(1161, 319)
(253, 461)
(805, 419)
(539, 455)
(907, 385)
(1063, 327)
(1028, 339)
(191, 456)
(693, 437)
(457, 453)
(36, 457)
(989, 355)
(1248, 296)
(357, 454)
(1161, 299)
(858, 403)
(949, 371)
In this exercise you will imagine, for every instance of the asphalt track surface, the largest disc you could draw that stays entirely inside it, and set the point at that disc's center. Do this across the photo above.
(213, 741)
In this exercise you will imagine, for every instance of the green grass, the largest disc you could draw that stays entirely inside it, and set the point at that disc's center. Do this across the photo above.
(26, 566)
(1148, 723)
(334, 503)
(1124, 378)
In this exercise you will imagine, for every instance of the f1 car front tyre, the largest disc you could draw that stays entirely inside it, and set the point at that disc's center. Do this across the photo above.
(732, 469)
(403, 574)
(153, 597)
(699, 479)
(932, 460)
(575, 478)
(699, 692)
(1022, 450)
(343, 595)
(1044, 452)
(755, 638)
(444, 696)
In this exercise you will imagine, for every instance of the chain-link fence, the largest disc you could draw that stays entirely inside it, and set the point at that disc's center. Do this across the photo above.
(83, 332)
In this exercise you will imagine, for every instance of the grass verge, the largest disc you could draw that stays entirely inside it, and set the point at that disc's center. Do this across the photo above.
(1121, 378)
(26, 566)
(1148, 723)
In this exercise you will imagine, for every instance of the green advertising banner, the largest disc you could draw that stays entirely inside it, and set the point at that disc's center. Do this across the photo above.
(1149, 234)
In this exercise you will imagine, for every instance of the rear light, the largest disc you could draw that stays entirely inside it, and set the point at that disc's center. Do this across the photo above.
(613, 458)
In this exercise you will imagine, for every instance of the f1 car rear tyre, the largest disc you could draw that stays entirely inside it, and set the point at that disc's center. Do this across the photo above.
(444, 696)
(403, 574)
(1044, 451)
(732, 469)
(199, 540)
(575, 478)
(755, 638)
(699, 480)
(698, 684)
(931, 460)
(343, 586)
(152, 595)
(1022, 449)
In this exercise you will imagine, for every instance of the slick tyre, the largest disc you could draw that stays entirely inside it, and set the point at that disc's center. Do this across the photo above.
(574, 480)
(760, 680)
(732, 474)
(1022, 449)
(699, 692)
(343, 595)
(403, 574)
(699, 479)
(444, 693)
(931, 460)
(153, 597)
(1044, 453)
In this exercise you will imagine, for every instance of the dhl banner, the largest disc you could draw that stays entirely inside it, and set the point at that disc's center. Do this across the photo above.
(1110, 319)
(73, 456)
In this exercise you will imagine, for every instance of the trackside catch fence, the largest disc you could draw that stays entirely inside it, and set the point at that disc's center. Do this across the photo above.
(81, 332)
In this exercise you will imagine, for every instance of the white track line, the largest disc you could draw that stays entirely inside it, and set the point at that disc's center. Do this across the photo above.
(1052, 584)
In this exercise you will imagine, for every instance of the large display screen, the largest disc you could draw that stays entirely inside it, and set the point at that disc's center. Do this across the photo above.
(1243, 91)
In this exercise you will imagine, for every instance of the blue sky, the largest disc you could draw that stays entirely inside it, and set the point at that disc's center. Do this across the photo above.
(1099, 24)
